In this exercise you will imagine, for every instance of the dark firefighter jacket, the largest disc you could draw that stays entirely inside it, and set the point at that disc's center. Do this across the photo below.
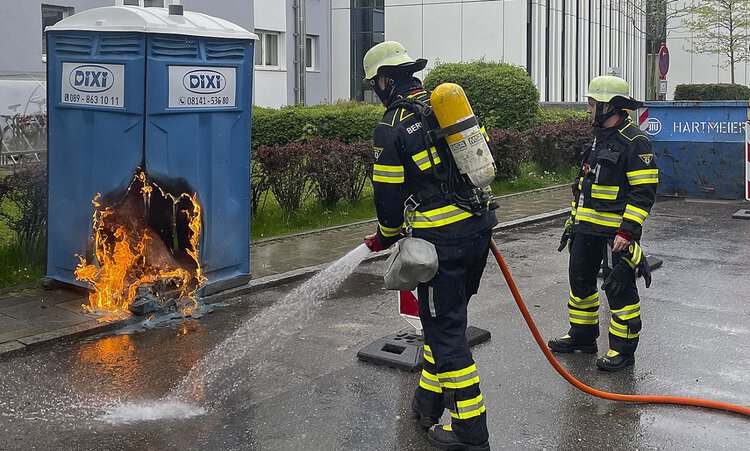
(403, 168)
(616, 182)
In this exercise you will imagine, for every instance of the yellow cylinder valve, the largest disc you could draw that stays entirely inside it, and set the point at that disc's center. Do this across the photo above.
(468, 147)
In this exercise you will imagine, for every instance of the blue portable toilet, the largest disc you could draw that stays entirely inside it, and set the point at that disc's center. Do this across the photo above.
(159, 90)
(700, 147)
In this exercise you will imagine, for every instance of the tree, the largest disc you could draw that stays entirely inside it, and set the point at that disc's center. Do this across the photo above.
(721, 27)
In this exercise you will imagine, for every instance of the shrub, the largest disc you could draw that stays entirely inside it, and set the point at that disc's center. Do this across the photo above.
(339, 170)
(556, 115)
(711, 91)
(509, 148)
(258, 186)
(347, 122)
(556, 145)
(501, 94)
(23, 198)
(287, 172)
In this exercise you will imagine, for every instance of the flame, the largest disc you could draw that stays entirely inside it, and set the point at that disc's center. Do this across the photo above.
(128, 253)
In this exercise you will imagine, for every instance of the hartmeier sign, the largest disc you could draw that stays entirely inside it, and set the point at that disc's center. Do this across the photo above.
(99, 85)
(693, 122)
(201, 87)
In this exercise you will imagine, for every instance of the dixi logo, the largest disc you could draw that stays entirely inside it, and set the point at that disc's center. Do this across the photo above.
(91, 78)
(653, 126)
(203, 81)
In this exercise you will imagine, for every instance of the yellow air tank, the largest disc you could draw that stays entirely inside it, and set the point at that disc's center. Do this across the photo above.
(468, 147)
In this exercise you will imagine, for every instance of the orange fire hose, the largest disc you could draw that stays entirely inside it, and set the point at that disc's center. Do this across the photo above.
(585, 388)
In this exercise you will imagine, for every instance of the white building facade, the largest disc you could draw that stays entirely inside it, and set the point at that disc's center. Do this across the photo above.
(561, 43)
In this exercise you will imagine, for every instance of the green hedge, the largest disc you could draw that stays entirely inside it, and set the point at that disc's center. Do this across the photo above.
(558, 115)
(712, 91)
(501, 94)
(347, 122)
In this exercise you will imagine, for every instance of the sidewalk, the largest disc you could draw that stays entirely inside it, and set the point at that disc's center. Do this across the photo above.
(34, 316)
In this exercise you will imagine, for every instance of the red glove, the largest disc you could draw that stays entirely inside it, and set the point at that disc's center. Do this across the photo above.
(373, 243)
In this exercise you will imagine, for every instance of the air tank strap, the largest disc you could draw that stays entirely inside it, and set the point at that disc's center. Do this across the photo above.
(434, 135)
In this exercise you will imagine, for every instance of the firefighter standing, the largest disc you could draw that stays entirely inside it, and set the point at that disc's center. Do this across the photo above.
(410, 173)
(613, 195)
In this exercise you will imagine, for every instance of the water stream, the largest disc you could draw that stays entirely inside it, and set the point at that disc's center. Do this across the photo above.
(229, 364)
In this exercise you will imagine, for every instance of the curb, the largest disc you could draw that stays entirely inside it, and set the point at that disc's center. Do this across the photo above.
(89, 328)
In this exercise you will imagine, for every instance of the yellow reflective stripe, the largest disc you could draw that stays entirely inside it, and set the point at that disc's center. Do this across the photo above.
(635, 214)
(627, 312)
(430, 382)
(459, 379)
(469, 408)
(484, 133)
(606, 192)
(390, 231)
(587, 302)
(439, 217)
(600, 218)
(423, 160)
(621, 330)
(428, 356)
(573, 211)
(643, 176)
(581, 317)
(388, 174)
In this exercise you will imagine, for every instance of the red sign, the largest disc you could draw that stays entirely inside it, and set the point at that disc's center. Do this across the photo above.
(663, 60)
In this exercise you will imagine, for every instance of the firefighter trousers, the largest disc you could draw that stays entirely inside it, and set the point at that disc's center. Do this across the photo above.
(589, 253)
(449, 376)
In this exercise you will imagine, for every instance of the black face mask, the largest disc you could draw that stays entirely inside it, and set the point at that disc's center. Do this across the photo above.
(600, 117)
(383, 94)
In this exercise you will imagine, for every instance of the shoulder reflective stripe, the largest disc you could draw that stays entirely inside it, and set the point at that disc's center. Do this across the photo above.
(607, 192)
(402, 116)
(627, 312)
(388, 174)
(439, 217)
(423, 160)
(600, 218)
(468, 408)
(643, 177)
(635, 214)
(390, 231)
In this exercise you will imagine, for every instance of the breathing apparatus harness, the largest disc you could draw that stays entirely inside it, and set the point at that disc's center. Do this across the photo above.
(454, 188)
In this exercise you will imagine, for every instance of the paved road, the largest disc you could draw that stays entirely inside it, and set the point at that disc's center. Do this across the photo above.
(308, 391)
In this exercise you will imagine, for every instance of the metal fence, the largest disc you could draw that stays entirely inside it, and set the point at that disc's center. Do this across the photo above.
(23, 119)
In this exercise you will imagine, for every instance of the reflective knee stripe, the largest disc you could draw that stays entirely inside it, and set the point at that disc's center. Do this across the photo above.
(635, 214)
(627, 312)
(390, 231)
(582, 317)
(643, 176)
(606, 192)
(468, 409)
(388, 174)
(597, 217)
(621, 330)
(439, 217)
(428, 355)
(430, 382)
(460, 378)
(587, 302)
(423, 160)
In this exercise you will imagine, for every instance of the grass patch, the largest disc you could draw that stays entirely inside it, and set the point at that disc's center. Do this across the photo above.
(531, 176)
(18, 266)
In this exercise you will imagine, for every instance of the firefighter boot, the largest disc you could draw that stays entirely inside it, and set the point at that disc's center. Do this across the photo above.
(566, 344)
(614, 361)
(423, 420)
(441, 436)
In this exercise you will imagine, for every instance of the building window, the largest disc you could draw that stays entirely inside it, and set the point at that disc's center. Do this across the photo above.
(368, 29)
(267, 49)
(311, 44)
(51, 14)
(144, 3)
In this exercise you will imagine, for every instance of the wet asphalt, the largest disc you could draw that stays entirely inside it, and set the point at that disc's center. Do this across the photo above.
(310, 392)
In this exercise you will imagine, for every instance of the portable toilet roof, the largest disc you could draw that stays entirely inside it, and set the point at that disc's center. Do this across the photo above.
(151, 20)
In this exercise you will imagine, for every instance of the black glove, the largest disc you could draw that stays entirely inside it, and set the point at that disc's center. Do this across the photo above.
(618, 280)
(636, 260)
(566, 235)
